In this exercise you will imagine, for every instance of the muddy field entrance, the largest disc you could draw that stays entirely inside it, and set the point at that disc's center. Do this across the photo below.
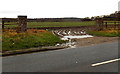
(77, 36)
(71, 34)
(73, 31)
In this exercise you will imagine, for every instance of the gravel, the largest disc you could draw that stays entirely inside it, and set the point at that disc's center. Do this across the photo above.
(94, 40)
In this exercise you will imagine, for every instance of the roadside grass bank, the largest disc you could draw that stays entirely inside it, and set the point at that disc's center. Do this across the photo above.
(109, 32)
(32, 50)
(52, 24)
(12, 40)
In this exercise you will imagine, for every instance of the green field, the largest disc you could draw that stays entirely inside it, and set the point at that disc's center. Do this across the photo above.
(53, 24)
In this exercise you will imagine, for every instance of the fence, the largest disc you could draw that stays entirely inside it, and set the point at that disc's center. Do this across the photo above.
(21, 22)
(107, 24)
(113, 23)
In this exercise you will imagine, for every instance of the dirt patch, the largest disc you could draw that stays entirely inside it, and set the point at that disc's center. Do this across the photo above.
(94, 40)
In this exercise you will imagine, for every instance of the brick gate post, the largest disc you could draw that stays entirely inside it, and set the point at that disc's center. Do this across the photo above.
(22, 24)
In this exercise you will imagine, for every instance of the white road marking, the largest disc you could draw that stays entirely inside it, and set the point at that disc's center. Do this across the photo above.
(110, 61)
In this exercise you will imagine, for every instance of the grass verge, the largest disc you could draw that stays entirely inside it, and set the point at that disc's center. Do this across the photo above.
(32, 38)
(105, 33)
(31, 50)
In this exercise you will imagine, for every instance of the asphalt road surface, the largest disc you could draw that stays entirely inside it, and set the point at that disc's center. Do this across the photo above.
(66, 60)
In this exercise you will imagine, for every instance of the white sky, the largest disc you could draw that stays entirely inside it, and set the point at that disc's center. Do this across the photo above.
(57, 8)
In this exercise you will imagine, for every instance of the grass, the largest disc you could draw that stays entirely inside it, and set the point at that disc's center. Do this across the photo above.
(105, 33)
(53, 24)
(32, 38)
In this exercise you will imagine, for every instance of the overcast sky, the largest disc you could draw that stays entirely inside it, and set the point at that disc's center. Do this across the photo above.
(57, 8)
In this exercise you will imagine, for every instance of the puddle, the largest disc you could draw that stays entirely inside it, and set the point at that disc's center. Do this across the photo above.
(75, 37)
(71, 43)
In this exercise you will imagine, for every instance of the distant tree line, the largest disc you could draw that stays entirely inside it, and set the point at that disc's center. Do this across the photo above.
(112, 17)
(48, 19)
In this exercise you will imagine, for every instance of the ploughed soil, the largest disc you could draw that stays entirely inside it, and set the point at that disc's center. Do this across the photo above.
(94, 40)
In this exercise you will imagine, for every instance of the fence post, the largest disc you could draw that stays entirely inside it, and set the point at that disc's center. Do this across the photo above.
(2, 24)
(106, 24)
(22, 24)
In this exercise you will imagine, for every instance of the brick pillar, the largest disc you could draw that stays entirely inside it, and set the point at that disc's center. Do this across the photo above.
(22, 24)
(99, 23)
(118, 16)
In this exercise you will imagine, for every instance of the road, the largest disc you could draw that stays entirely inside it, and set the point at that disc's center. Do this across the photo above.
(66, 60)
